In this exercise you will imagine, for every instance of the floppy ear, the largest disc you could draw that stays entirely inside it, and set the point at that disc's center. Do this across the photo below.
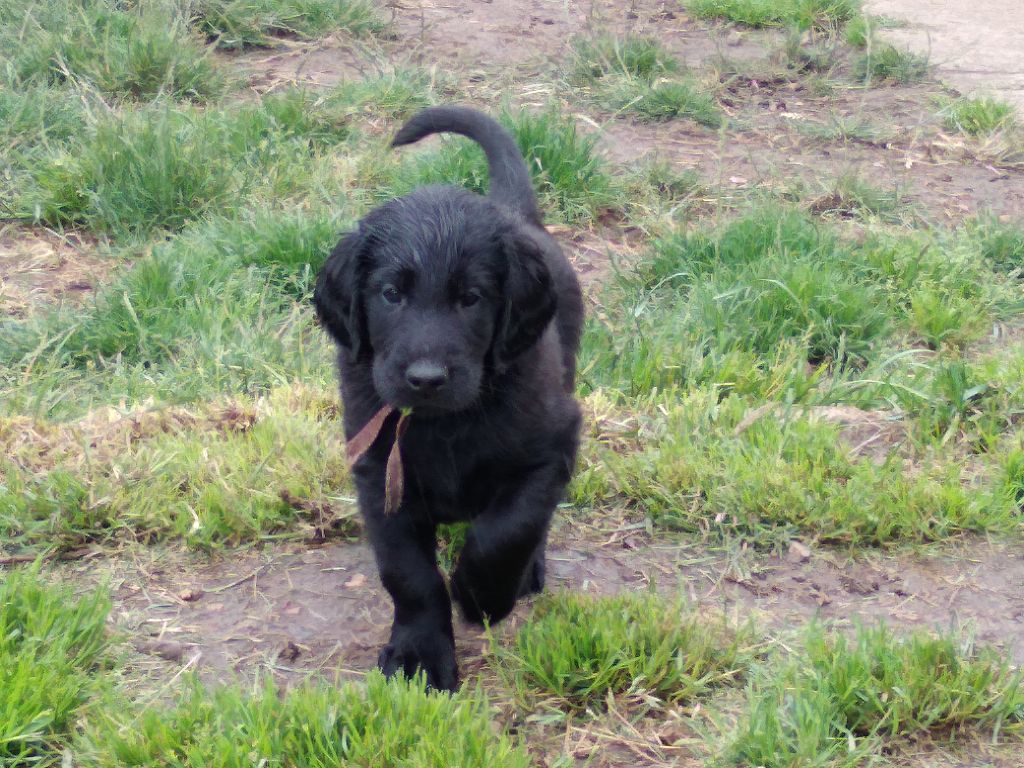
(530, 299)
(338, 293)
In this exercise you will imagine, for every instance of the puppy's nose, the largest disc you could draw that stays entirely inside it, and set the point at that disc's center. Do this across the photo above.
(424, 376)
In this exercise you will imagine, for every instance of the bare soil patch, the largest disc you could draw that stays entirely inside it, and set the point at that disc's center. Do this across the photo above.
(43, 268)
(976, 46)
(297, 610)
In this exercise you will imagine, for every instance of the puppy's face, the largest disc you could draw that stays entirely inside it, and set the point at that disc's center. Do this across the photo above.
(435, 291)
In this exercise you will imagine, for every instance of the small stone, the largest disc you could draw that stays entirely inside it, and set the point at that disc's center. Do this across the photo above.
(170, 650)
(798, 553)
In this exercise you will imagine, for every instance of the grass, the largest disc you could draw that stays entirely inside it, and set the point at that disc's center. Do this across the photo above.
(978, 116)
(769, 13)
(279, 473)
(124, 51)
(219, 309)
(630, 55)
(841, 701)
(1001, 243)
(851, 195)
(747, 305)
(576, 651)
(571, 179)
(636, 75)
(379, 723)
(235, 24)
(703, 469)
(888, 64)
(161, 166)
(662, 100)
(52, 647)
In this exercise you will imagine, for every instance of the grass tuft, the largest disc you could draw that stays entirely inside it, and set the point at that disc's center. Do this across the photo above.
(237, 24)
(575, 651)
(978, 116)
(770, 13)
(51, 644)
(1001, 243)
(128, 51)
(710, 467)
(383, 722)
(888, 64)
(631, 56)
(844, 699)
(279, 472)
(161, 166)
(636, 75)
(661, 100)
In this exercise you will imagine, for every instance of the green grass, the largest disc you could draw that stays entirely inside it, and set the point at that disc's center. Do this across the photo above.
(665, 99)
(1001, 243)
(630, 55)
(575, 651)
(636, 75)
(229, 474)
(746, 305)
(700, 468)
(841, 701)
(850, 195)
(220, 308)
(162, 166)
(124, 51)
(572, 181)
(52, 644)
(888, 64)
(769, 13)
(237, 24)
(379, 723)
(978, 116)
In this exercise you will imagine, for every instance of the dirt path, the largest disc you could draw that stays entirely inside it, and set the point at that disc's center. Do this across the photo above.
(977, 45)
(298, 610)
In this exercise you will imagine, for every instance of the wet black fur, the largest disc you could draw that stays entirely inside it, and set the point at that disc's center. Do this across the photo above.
(474, 287)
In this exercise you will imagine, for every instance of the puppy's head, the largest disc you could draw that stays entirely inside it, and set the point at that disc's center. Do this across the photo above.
(437, 290)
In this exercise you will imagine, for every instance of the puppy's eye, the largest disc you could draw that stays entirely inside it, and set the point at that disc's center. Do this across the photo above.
(470, 297)
(391, 294)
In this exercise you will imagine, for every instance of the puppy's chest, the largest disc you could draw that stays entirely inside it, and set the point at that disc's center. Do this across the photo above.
(456, 475)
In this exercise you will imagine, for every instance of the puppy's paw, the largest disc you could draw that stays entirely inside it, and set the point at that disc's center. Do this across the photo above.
(478, 602)
(533, 579)
(411, 651)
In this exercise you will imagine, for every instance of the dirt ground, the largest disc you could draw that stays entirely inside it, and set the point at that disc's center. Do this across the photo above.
(303, 609)
(977, 45)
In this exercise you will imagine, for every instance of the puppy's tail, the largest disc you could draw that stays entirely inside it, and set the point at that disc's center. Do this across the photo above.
(510, 179)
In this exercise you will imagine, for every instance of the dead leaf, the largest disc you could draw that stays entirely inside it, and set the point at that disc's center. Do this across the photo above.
(357, 581)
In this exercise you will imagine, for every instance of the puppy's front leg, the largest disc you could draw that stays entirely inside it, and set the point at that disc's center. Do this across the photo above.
(421, 635)
(503, 557)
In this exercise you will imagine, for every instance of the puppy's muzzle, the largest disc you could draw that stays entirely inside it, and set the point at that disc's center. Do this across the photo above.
(426, 377)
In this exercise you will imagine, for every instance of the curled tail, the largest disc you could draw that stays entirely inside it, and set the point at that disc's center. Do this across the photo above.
(510, 182)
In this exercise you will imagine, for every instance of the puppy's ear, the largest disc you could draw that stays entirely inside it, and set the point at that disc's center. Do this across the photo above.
(530, 299)
(338, 293)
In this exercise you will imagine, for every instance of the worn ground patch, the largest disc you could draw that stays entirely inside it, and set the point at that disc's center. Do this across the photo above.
(40, 268)
(296, 610)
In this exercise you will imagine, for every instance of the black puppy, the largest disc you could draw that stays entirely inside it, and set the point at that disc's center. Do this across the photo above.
(463, 309)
